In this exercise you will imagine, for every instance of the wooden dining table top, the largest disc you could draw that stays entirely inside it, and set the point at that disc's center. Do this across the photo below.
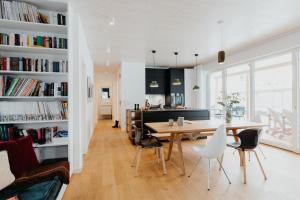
(201, 126)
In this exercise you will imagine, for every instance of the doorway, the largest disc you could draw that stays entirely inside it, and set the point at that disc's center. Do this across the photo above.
(105, 103)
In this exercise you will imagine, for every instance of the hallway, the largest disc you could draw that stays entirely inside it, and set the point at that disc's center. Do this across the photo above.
(107, 174)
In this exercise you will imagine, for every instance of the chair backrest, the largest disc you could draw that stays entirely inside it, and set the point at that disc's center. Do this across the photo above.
(217, 144)
(137, 135)
(249, 138)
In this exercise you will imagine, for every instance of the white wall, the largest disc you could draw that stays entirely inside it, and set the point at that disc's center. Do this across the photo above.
(80, 109)
(132, 88)
(194, 98)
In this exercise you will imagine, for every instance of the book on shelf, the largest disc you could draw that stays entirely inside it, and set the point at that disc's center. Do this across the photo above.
(32, 64)
(33, 40)
(18, 86)
(41, 135)
(22, 11)
(33, 111)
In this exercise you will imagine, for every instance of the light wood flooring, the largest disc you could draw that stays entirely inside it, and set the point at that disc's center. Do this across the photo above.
(107, 174)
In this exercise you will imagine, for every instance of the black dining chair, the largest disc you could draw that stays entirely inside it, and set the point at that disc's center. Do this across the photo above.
(147, 142)
(248, 141)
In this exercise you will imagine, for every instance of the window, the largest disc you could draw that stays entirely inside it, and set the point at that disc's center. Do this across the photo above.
(273, 97)
(238, 81)
(215, 82)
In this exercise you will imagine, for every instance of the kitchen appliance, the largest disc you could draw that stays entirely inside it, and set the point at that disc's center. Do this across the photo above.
(177, 99)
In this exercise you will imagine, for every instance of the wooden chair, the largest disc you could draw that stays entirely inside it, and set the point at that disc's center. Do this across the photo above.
(147, 142)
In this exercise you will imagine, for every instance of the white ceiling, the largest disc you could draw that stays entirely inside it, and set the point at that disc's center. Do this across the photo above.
(186, 26)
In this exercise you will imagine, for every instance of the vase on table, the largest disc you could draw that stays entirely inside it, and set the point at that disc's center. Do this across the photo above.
(228, 116)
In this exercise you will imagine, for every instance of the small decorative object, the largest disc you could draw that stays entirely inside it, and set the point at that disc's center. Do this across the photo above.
(196, 87)
(171, 121)
(180, 121)
(90, 88)
(228, 103)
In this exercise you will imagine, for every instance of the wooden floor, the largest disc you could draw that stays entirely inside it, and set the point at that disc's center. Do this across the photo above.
(107, 174)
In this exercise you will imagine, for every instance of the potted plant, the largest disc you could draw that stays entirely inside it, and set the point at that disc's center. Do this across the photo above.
(228, 103)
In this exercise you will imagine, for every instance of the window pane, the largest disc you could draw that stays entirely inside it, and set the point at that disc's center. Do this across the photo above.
(215, 93)
(273, 97)
(238, 82)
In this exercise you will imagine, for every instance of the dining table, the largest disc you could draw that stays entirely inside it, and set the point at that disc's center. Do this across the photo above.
(204, 128)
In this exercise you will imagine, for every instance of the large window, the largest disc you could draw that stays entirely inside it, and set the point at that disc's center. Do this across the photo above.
(267, 88)
(238, 82)
(273, 97)
(215, 82)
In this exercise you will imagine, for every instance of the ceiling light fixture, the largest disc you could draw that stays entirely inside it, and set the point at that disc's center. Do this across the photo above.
(221, 53)
(112, 22)
(176, 81)
(154, 83)
(196, 86)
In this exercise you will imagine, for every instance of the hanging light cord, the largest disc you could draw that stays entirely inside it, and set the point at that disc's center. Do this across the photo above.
(153, 53)
(221, 22)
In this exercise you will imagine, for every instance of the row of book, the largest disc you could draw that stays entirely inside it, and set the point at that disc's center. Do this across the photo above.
(21, 11)
(33, 111)
(32, 40)
(17, 86)
(42, 135)
(32, 64)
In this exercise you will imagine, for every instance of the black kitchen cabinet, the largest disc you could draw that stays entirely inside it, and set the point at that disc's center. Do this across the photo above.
(176, 76)
(158, 75)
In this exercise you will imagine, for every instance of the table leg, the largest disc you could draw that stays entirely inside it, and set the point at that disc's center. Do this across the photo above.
(171, 146)
(179, 137)
(236, 139)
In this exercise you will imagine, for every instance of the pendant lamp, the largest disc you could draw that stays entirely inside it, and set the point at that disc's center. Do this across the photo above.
(153, 83)
(196, 87)
(176, 81)
(221, 53)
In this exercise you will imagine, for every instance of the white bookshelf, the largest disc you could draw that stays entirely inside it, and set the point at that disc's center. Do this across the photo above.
(63, 141)
(12, 26)
(35, 122)
(33, 50)
(32, 98)
(36, 27)
(29, 73)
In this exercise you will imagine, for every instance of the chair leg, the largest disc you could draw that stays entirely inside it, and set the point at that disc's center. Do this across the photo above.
(208, 177)
(135, 157)
(221, 161)
(194, 167)
(162, 156)
(245, 167)
(157, 155)
(138, 161)
(221, 166)
(261, 151)
(261, 167)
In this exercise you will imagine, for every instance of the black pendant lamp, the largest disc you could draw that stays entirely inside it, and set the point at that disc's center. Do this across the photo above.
(153, 83)
(196, 86)
(176, 81)
(221, 53)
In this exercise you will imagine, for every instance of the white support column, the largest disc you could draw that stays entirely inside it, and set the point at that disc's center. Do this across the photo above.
(296, 100)
(252, 91)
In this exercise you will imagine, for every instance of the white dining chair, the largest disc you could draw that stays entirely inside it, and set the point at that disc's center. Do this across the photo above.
(213, 150)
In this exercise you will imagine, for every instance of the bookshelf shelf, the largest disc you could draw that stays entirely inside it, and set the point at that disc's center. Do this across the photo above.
(31, 98)
(56, 142)
(33, 73)
(31, 26)
(37, 50)
(34, 122)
